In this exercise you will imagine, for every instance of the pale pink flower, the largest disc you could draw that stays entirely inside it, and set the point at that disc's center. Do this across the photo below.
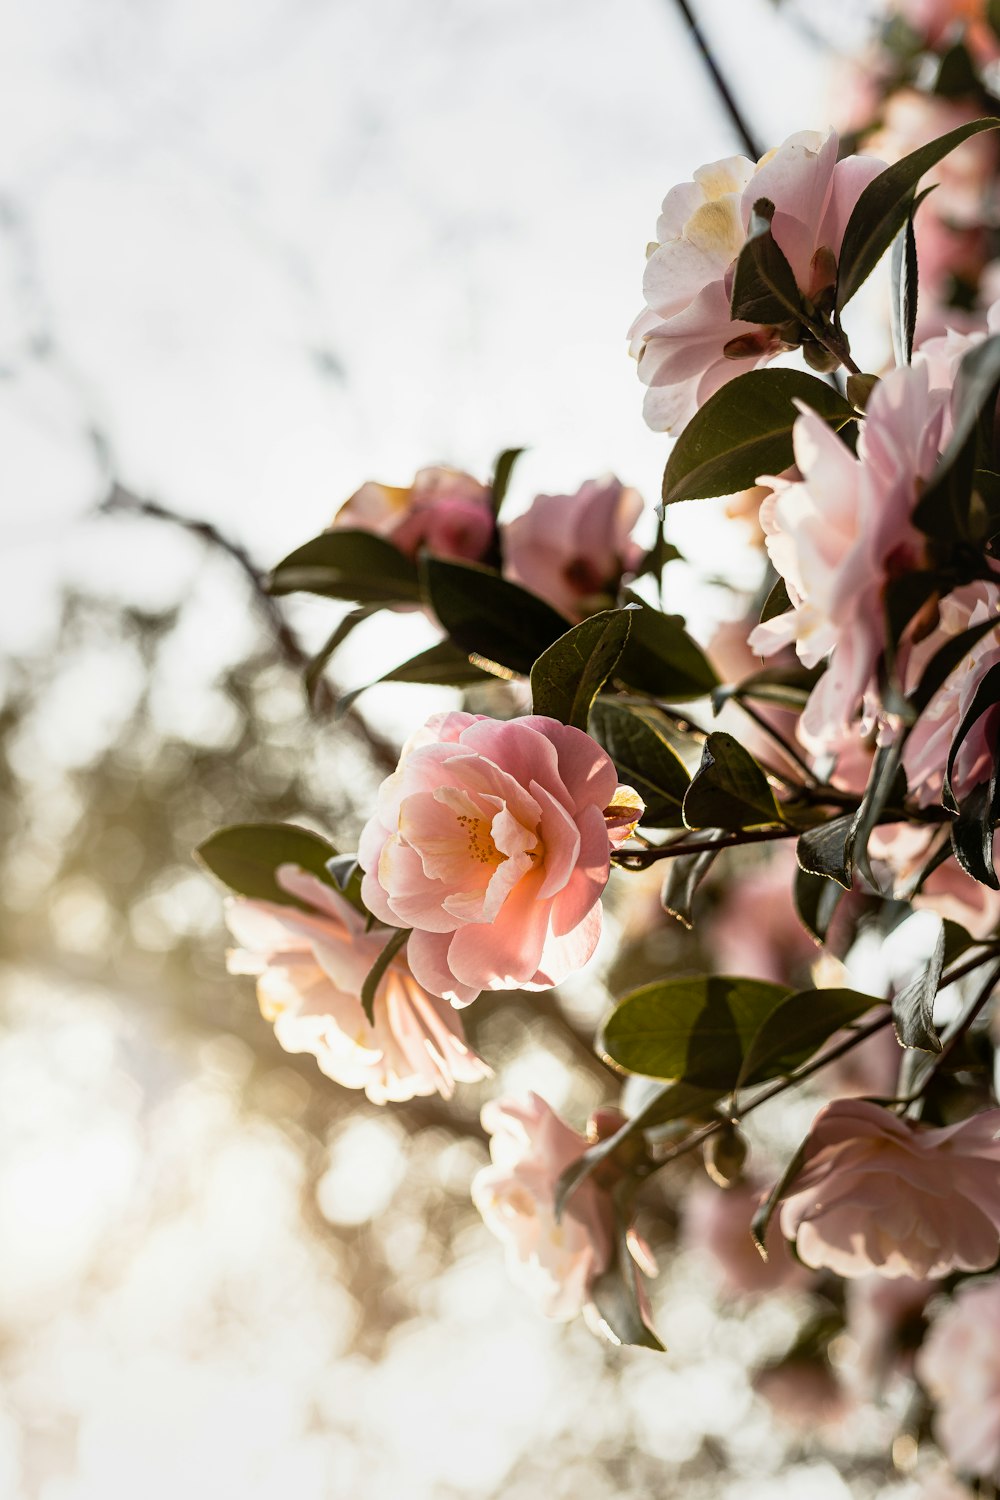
(554, 1261)
(492, 841)
(883, 1319)
(925, 754)
(682, 336)
(573, 550)
(964, 193)
(837, 535)
(716, 1225)
(311, 966)
(876, 1193)
(445, 511)
(960, 1366)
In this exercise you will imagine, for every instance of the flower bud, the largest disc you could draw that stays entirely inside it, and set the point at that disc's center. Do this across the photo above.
(725, 1156)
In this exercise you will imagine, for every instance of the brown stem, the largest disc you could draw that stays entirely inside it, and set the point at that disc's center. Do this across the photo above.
(641, 859)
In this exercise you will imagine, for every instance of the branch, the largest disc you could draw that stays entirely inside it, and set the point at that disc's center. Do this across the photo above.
(739, 123)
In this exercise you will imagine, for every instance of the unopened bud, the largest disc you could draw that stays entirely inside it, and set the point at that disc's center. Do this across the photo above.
(725, 1156)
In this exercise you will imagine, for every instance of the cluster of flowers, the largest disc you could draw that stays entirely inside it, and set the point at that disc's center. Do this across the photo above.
(483, 865)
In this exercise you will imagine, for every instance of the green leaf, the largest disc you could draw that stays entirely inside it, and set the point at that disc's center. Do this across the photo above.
(489, 616)
(945, 507)
(343, 564)
(694, 1030)
(761, 1221)
(317, 666)
(376, 973)
(729, 789)
(567, 677)
(985, 698)
(956, 74)
(764, 287)
(913, 1007)
(502, 470)
(904, 283)
(785, 687)
(745, 430)
(777, 601)
(616, 1297)
(347, 874)
(246, 856)
(797, 1028)
(685, 874)
(884, 206)
(816, 900)
(972, 834)
(442, 665)
(823, 850)
(661, 659)
(644, 759)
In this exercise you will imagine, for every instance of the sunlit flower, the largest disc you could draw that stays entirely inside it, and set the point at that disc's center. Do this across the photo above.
(554, 1261)
(311, 966)
(445, 511)
(686, 343)
(875, 1193)
(837, 535)
(960, 1366)
(492, 841)
(573, 550)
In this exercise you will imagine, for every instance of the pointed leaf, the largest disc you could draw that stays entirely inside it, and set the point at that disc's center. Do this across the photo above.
(443, 665)
(884, 207)
(729, 789)
(761, 1221)
(797, 1028)
(692, 1030)
(684, 875)
(487, 615)
(764, 287)
(345, 564)
(661, 659)
(903, 280)
(745, 430)
(502, 470)
(644, 759)
(945, 508)
(567, 676)
(246, 856)
(376, 973)
(913, 1007)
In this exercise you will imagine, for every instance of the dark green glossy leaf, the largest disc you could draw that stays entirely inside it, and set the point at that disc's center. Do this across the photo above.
(745, 430)
(487, 615)
(343, 564)
(376, 973)
(884, 206)
(616, 1295)
(824, 850)
(693, 1030)
(441, 665)
(798, 1028)
(913, 1007)
(661, 659)
(729, 789)
(764, 286)
(347, 874)
(762, 1218)
(816, 900)
(317, 666)
(644, 759)
(502, 470)
(245, 857)
(985, 698)
(567, 677)
(777, 601)
(903, 280)
(972, 834)
(680, 884)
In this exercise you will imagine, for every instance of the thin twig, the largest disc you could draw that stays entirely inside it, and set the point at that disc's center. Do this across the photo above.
(736, 116)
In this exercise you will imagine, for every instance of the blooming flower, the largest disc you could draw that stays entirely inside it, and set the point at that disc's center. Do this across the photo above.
(960, 1366)
(492, 841)
(555, 1262)
(573, 550)
(686, 343)
(837, 535)
(444, 510)
(925, 754)
(875, 1193)
(311, 966)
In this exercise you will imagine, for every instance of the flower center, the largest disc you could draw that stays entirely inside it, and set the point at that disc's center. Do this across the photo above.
(482, 849)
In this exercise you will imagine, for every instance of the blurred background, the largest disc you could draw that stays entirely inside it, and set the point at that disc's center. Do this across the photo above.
(251, 255)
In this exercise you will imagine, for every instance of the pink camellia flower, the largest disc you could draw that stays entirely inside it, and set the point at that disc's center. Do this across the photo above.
(573, 550)
(925, 754)
(444, 510)
(555, 1261)
(686, 343)
(875, 1193)
(838, 535)
(492, 841)
(310, 968)
(960, 1366)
